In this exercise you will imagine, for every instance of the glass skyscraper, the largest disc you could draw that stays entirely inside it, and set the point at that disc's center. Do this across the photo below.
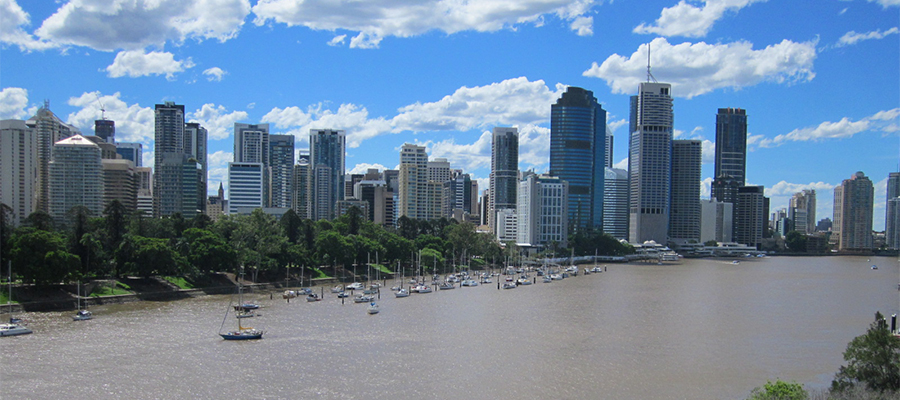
(326, 163)
(504, 170)
(578, 154)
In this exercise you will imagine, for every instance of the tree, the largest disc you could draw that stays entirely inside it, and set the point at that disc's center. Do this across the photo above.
(39, 220)
(292, 225)
(41, 257)
(149, 256)
(795, 241)
(779, 390)
(6, 229)
(873, 360)
(207, 251)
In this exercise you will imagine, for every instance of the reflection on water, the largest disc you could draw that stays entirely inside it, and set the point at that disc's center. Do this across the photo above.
(704, 329)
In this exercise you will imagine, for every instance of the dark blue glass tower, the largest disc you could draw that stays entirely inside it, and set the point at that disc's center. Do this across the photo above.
(578, 154)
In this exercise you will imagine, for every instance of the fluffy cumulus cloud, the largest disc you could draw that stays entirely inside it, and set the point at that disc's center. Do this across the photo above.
(136, 63)
(469, 156)
(214, 74)
(13, 101)
(686, 19)
(886, 3)
(883, 121)
(364, 167)
(131, 25)
(374, 20)
(697, 68)
(219, 123)
(513, 102)
(217, 164)
(133, 122)
(788, 189)
(13, 19)
(851, 38)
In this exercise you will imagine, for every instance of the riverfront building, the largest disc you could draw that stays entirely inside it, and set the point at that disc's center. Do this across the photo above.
(542, 217)
(649, 162)
(892, 213)
(752, 213)
(615, 203)
(327, 164)
(504, 176)
(578, 143)
(18, 168)
(280, 170)
(49, 130)
(716, 218)
(245, 186)
(412, 179)
(802, 211)
(300, 187)
(75, 178)
(853, 208)
(684, 218)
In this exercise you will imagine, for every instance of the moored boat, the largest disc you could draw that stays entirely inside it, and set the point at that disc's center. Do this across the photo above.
(373, 308)
(402, 293)
(13, 329)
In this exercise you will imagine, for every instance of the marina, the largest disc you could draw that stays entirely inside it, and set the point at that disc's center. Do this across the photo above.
(699, 329)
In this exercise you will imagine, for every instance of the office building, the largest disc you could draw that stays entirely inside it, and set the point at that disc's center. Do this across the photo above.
(412, 181)
(144, 183)
(439, 170)
(684, 214)
(615, 203)
(751, 212)
(716, 218)
(507, 225)
(327, 162)
(542, 217)
(76, 178)
(504, 176)
(649, 163)
(891, 216)
(802, 211)
(105, 129)
(300, 187)
(18, 168)
(731, 144)
(251, 143)
(245, 187)
(853, 208)
(132, 152)
(168, 158)
(281, 170)
(119, 183)
(578, 143)
(49, 130)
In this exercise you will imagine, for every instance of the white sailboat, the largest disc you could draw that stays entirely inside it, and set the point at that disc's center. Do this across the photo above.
(242, 332)
(14, 327)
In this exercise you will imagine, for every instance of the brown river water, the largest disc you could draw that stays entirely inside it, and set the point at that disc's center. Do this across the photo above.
(699, 329)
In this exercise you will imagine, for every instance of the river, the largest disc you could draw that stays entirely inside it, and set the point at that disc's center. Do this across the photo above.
(700, 329)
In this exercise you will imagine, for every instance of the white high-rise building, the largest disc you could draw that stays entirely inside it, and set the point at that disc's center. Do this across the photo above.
(715, 221)
(413, 179)
(649, 162)
(18, 168)
(802, 211)
(542, 211)
(49, 130)
(507, 224)
(76, 178)
(245, 187)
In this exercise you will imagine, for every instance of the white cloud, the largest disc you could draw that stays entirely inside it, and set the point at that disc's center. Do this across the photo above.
(374, 20)
(851, 38)
(623, 164)
(133, 122)
(132, 25)
(884, 121)
(616, 124)
(783, 188)
(708, 151)
(362, 168)
(469, 157)
(137, 63)
(12, 19)
(218, 122)
(337, 40)
(215, 74)
(698, 68)
(684, 19)
(513, 102)
(13, 101)
(886, 3)
(583, 26)
(217, 164)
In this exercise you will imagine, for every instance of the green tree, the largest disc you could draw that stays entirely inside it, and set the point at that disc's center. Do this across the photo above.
(779, 390)
(39, 220)
(292, 226)
(41, 257)
(208, 252)
(795, 241)
(149, 256)
(873, 360)
(6, 228)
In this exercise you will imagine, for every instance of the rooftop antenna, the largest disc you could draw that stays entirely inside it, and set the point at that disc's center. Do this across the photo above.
(649, 75)
(102, 110)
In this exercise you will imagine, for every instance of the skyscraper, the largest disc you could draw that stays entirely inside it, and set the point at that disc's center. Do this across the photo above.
(300, 186)
(18, 168)
(132, 152)
(684, 217)
(245, 187)
(578, 145)
(615, 203)
(195, 142)
(75, 178)
(280, 169)
(892, 212)
(504, 170)
(731, 144)
(49, 130)
(412, 181)
(802, 211)
(649, 162)
(853, 206)
(105, 129)
(541, 212)
(326, 161)
(168, 158)
(751, 210)
(119, 183)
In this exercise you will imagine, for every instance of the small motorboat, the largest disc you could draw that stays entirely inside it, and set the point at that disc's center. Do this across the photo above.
(313, 297)
(337, 289)
(342, 295)
(373, 308)
(547, 279)
(556, 277)
(361, 298)
(446, 286)
(469, 282)
(422, 289)
(596, 270)
(402, 293)
(509, 285)
(13, 328)
(289, 294)
(355, 286)
(246, 307)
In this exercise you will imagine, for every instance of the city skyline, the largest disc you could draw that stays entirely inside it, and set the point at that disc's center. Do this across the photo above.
(812, 84)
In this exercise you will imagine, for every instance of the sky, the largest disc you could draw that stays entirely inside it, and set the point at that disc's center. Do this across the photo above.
(820, 80)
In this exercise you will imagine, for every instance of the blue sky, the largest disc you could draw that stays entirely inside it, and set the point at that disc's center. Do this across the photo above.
(820, 80)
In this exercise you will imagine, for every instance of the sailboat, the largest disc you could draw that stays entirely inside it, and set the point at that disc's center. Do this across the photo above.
(82, 314)
(14, 326)
(242, 332)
